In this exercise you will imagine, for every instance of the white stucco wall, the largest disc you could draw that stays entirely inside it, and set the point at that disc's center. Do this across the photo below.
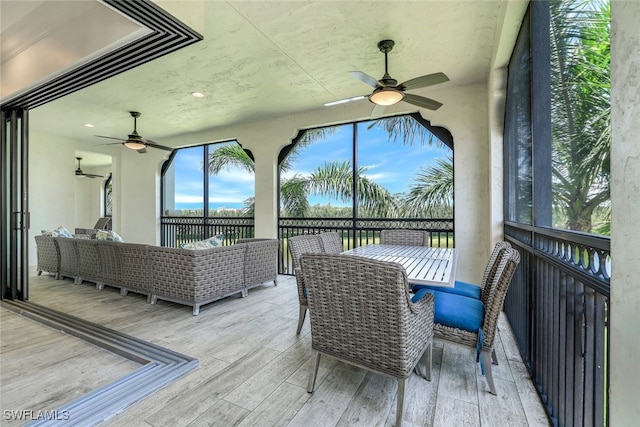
(56, 196)
(136, 195)
(52, 185)
(625, 209)
(89, 197)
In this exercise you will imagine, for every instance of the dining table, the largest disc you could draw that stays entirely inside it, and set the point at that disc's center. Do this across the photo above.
(424, 265)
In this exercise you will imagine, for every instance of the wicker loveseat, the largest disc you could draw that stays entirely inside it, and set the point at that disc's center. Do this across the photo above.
(197, 277)
(261, 261)
(191, 277)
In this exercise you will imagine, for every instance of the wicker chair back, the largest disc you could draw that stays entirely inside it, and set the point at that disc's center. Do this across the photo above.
(404, 237)
(331, 242)
(361, 312)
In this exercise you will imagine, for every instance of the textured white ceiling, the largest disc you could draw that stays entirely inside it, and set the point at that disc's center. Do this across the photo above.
(265, 59)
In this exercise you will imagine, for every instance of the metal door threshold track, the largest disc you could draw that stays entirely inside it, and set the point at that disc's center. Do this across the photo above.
(161, 366)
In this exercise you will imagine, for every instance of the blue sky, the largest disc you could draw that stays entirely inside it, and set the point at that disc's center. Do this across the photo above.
(389, 164)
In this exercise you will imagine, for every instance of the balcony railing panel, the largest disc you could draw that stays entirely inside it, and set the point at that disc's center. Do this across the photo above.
(359, 232)
(558, 308)
(176, 230)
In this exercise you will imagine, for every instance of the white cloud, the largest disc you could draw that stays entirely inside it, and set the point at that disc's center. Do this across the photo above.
(234, 174)
(377, 177)
(187, 198)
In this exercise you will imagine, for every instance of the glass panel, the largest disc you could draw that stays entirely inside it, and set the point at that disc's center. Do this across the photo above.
(517, 133)
(184, 184)
(581, 121)
(404, 171)
(316, 178)
(231, 181)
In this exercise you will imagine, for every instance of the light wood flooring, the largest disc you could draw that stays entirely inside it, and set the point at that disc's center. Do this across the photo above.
(253, 368)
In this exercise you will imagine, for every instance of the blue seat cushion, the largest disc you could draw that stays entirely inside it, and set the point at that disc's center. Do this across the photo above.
(454, 310)
(460, 288)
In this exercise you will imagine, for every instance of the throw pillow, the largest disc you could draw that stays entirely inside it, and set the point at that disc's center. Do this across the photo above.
(201, 244)
(211, 242)
(216, 240)
(58, 232)
(109, 235)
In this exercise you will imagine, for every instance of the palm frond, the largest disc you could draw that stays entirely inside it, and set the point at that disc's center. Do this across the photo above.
(407, 130)
(432, 189)
(293, 196)
(229, 155)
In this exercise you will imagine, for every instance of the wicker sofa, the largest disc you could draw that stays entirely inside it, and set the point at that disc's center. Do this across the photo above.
(48, 255)
(185, 276)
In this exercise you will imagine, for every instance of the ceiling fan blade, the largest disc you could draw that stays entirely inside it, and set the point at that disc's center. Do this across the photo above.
(365, 78)
(110, 137)
(377, 112)
(424, 81)
(90, 175)
(153, 144)
(345, 100)
(421, 101)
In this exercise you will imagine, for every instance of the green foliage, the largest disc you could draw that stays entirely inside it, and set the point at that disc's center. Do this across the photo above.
(407, 130)
(230, 155)
(431, 194)
(581, 110)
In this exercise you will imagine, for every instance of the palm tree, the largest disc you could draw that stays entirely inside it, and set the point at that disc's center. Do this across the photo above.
(431, 193)
(335, 179)
(581, 119)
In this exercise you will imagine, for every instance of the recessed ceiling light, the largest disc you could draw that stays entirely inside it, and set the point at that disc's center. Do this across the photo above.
(88, 125)
(198, 94)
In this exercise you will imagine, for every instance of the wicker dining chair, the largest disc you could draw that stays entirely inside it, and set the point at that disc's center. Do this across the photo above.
(298, 245)
(404, 237)
(470, 289)
(361, 313)
(331, 242)
(470, 322)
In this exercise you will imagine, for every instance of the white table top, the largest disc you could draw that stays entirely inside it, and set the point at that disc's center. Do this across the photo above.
(424, 265)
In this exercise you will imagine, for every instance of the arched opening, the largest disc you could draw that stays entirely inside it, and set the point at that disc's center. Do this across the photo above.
(207, 191)
(359, 178)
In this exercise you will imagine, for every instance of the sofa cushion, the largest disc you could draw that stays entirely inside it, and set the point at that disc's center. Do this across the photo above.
(211, 242)
(456, 311)
(109, 235)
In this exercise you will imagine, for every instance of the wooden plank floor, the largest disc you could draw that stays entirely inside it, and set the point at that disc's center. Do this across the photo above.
(254, 368)
(48, 368)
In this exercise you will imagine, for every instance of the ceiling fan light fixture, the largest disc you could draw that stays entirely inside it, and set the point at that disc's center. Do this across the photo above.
(386, 96)
(134, 145)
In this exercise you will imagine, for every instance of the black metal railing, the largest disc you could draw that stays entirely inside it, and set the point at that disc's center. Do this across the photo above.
(358, 232)
(558, 308)
(176, 230)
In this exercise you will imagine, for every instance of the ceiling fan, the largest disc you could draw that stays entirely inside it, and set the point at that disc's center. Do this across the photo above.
(134, 140)
(85, 175)
(387, 91)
